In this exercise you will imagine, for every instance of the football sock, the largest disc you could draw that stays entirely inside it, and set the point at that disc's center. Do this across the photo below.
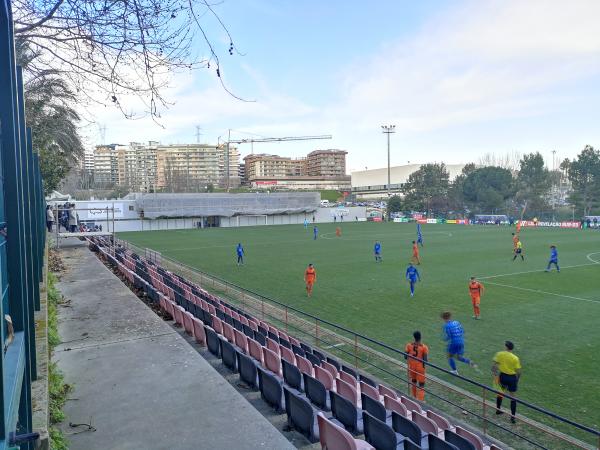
(463, 359)
(452, 363)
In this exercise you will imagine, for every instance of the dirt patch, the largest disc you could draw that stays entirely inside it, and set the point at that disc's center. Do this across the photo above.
(55, 262)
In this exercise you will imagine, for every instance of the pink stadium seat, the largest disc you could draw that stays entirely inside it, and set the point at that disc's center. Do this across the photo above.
(329, 368)
(393, 404)
(348, 378)
(204, 305)
(228, 332)
(370, 391)
(347, 391)
(187, 322)
(241, 340)
(294, 341)
(284, 335)
(217, 325)
(427, 425)
(212, 310)
(471, 437)
(255, 350)
(273, 346)
(333, 437)
(411, 405)
(304, 365)
(235, 315)
(253, 326)
(272, 361)
(243, 320)
(324, 377)
(199, 333)
(178, 314)
(287, 354)
(384, 390)
(273, 330)
(440, 421)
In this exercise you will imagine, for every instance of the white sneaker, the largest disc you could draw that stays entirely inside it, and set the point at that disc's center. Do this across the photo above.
(455, 372)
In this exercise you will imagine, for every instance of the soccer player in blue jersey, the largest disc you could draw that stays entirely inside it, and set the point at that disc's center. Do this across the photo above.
(419, 235)
(553, 259)
(240, 254)
(377, 251)
(412, 275)
(315, 233)
(454, 336)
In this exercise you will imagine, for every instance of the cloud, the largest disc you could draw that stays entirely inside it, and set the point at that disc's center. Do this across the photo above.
(471, 65)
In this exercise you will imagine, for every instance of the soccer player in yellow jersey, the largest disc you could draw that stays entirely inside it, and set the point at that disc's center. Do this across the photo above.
(507, 370)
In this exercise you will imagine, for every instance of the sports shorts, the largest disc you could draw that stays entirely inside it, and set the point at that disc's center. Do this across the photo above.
(508, 382)
(456, 348)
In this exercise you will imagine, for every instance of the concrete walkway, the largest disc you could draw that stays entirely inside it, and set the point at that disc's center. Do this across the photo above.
(137, 381)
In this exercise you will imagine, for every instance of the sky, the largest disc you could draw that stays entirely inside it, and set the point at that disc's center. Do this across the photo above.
(458, 79)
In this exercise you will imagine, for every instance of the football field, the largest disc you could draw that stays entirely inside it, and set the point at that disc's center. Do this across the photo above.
(553, 318)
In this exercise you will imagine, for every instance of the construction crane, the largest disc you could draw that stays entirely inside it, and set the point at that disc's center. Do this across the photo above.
(267, 139)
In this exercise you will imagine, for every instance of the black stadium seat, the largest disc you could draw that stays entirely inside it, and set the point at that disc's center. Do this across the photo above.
(407, 428)
(380, 435)
(292, 376)
(373, 407)
(346, 413)
(435, 443)
(212, 341)
(316, 392)
(228, 355)
(248, 370)
(301, 415)
(459, 441)
(271, 390)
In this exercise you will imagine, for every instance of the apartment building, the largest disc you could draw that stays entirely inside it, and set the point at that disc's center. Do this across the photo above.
(173, 168)
(321, 169)
(326, 163)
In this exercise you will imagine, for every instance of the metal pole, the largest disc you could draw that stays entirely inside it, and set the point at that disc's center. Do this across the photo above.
(389, 172)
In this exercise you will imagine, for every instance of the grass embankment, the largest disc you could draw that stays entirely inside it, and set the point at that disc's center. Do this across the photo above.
(57, 388)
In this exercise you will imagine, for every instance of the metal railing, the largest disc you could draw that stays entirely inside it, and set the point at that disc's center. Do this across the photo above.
(464, 399)
(22, 241)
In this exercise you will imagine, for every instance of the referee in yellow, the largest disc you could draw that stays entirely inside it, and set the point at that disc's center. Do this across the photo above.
(507, 370)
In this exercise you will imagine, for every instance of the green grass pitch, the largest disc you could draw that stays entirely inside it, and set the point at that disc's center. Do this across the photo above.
(553, 318)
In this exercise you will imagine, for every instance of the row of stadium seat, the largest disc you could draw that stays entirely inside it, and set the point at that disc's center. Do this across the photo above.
(323, 398)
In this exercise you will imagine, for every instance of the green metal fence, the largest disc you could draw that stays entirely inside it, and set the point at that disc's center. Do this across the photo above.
(22, 242)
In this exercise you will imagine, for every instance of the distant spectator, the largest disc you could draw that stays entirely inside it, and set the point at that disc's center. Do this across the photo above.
(72, 218)
(49, 218)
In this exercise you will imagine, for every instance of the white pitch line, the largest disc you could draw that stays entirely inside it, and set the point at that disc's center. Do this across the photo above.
(537, 291)
(334, 346)
(589, 256)
(537, 270)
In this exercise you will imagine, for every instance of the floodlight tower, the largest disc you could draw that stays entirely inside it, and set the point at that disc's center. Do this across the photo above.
(388, 129)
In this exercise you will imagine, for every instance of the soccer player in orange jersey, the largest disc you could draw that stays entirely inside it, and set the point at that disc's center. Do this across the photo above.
(475, 291)
(338, 232)
(310, 276)
(416, 367)
(515, 239)
(415, 253)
